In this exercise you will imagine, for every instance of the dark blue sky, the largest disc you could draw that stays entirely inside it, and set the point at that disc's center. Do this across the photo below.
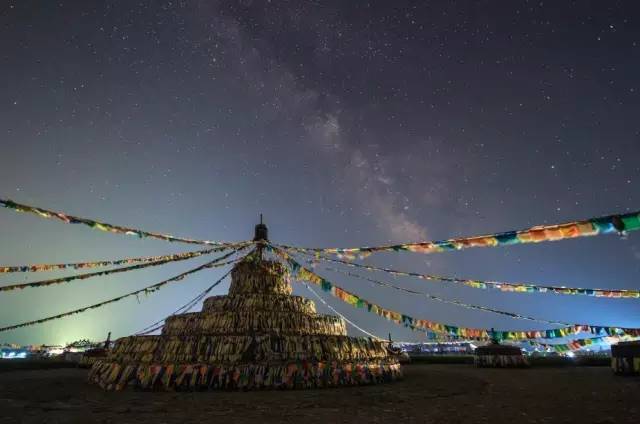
(345, 123)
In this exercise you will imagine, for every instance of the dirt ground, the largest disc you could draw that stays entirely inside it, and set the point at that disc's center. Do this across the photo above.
(429, 393)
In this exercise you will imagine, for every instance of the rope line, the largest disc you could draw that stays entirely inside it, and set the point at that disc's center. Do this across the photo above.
(591, 227)
(60, 280)
(341, 315)
(448, 301)
(498, 285)
(5, 269)
(70, 219)
(422, 325)
(146, 290)
(186, 307)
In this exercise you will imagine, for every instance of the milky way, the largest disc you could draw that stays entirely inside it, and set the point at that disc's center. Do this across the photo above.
(344, 123)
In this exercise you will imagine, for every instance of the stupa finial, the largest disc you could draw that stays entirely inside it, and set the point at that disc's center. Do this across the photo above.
(261, 232)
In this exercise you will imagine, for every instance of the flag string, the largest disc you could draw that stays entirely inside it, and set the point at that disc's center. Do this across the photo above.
(482, 284)
(620, 224)
(187, 307)
(448, 301)
(304, 274)
(102, 226)
(331, 308)
(5, 269)
(61, 280)
(146, 290)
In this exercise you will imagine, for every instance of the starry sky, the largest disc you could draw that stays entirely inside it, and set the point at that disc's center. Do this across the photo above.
(344, 123)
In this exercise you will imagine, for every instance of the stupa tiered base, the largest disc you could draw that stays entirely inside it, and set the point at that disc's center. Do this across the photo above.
(257, 337)
(625, 358)
(92, 356)
(496, 355)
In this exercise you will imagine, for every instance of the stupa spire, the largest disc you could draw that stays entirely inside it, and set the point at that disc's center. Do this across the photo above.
(261, 232)
(261, 236)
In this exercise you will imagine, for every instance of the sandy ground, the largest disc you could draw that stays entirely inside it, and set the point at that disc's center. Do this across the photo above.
(429, 393)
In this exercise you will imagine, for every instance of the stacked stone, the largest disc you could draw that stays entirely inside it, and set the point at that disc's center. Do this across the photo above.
(259, 336)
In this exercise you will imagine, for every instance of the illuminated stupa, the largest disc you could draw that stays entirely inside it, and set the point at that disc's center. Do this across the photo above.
(259, 336)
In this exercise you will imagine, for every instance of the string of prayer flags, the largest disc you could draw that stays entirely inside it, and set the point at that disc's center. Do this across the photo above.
(591, 227)
(146, 290)
(443, 300)
(184, 308)
(102, 226)
(352, 299)
(347, 320)
(574, 345)
(60, 280)
(425, 325)
(497, 285)
(102, 264)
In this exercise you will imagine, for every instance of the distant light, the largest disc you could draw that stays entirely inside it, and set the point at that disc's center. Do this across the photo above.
(12, 354)
(571, 354)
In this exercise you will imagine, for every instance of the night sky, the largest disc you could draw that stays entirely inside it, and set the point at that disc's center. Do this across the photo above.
(345, 123)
